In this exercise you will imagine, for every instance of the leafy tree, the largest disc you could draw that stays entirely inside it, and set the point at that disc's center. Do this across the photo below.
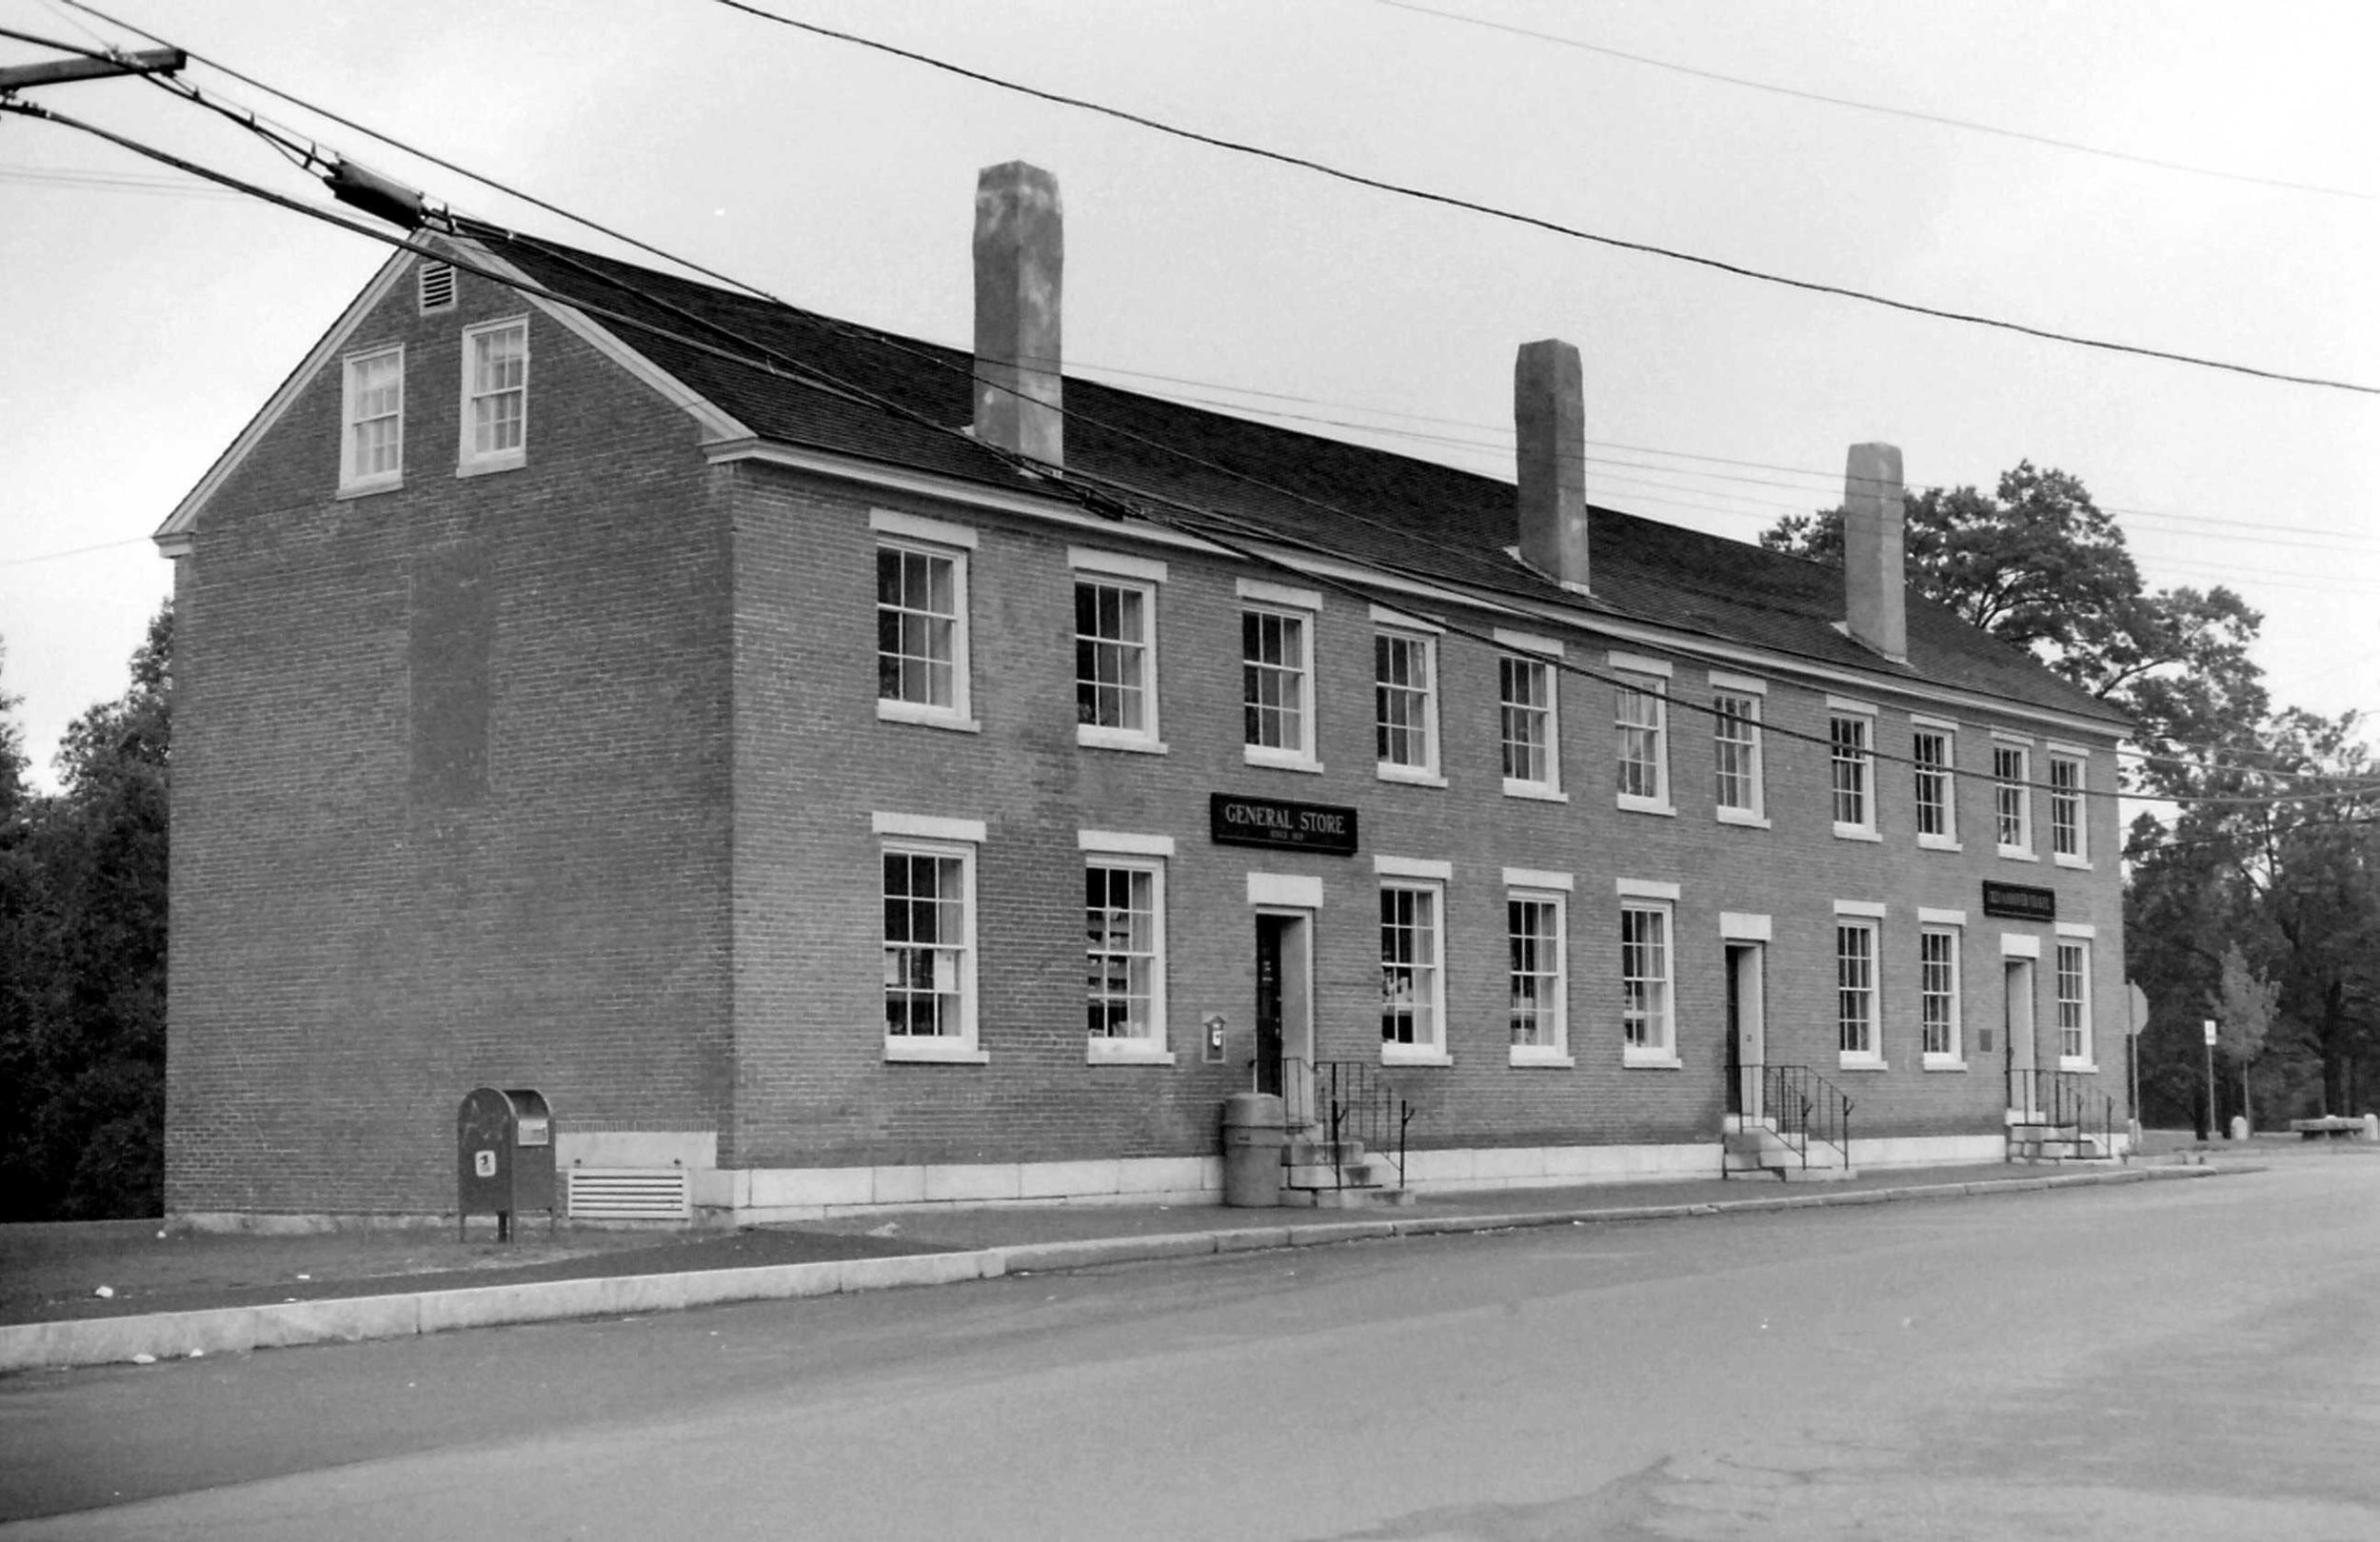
(81, 1032)
(2242, 1006)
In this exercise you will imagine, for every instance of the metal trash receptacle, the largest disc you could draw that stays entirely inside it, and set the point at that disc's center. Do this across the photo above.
(1254, 1130)
(504, 1158)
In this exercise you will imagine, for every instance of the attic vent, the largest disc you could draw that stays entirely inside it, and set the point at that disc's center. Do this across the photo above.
(437, 286)
(630, 1194)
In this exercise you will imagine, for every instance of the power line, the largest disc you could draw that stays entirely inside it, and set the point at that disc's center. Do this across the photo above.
(1909, 114)
(75, 551)
(1536, 222)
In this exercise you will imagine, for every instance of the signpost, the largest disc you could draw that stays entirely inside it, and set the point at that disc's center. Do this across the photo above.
(2210, 1114)
(2139, 1001)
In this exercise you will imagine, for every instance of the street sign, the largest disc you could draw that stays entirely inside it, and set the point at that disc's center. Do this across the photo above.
(2140, 1009)
(2210, 1032)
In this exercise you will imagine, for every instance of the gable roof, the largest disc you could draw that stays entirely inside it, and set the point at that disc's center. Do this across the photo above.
(1371, 507)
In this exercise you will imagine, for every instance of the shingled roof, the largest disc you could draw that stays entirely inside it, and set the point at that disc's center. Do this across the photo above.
(1370, 506)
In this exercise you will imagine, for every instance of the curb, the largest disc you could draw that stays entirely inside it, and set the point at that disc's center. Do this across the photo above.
(348, 1320)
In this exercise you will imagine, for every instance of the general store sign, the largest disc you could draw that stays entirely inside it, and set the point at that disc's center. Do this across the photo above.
(2020, 901)
(1327, 828)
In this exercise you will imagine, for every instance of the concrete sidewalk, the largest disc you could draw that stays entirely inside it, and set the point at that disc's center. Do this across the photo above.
(617, 1274)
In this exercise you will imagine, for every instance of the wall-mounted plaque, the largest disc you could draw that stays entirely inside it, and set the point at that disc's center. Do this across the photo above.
(1327, 828)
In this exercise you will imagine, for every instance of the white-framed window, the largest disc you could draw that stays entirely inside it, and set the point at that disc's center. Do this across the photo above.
(1413, 977)
(1640, 721)
(2069, 838)
(1856, 990)
(1851, 759)
(2011, 799)
(495, 395)
(1937, 997)
(1115, 661)
(1736, 755)
(1530, 727)
(1277, 676)
(922, 673)
(1404, 705)
(1537, 932)
(1123, 919)
(372, 453)
(1933, 748)
(929, 949)
(1648, 1027)
(2074, 1004)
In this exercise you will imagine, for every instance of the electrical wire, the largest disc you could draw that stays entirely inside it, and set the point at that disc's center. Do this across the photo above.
(1553, 226)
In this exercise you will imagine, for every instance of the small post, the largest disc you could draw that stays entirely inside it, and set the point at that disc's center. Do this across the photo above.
(2212, 1116)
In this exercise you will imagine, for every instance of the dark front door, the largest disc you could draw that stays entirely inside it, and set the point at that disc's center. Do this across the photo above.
(1734, 1031)
(1269, 931)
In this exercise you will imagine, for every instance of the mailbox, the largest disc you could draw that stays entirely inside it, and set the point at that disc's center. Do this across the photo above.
(504, 1158)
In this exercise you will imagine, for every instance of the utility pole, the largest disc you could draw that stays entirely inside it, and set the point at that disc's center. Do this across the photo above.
(15, 78)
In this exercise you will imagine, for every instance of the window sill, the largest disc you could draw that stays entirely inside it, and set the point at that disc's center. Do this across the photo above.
(1944, 1062)
(1862, 1062)
(1934, 842)
(1090, 736)
(1392, 1054)
(1102, 1052)
(2088, 1068)
(1744, 817)
(1647, 806)
(1413, 776)
(493, 463)
(2081, 863)
(2017, 854)
(1273, 759)
(1857, 832)
(1536, 790)
(366, 489)
(925, 716)
(935, 1052)
(1535, 1055)
(1649, 1061)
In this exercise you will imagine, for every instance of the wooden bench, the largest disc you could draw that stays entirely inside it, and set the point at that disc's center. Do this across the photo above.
(2335, 1126)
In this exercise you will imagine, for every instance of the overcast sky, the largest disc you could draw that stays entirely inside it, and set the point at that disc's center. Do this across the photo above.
(143, 320)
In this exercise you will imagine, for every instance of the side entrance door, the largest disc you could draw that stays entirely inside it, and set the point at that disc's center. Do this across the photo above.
(1747, 1049)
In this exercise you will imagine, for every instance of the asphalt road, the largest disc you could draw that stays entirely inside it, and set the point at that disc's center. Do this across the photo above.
(2170, 1360)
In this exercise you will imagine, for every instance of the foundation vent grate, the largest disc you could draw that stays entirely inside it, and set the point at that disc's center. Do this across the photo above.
(631, 1194)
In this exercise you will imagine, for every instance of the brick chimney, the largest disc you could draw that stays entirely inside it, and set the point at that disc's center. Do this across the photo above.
(1020, 266)
(1549, 413)
(1875, 605)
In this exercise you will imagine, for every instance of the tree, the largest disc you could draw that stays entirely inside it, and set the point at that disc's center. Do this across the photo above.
(82, 1029)
(2242, 1004)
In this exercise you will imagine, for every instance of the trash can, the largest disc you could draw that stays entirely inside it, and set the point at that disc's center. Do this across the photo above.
(503, 1157)
(1254, 1130)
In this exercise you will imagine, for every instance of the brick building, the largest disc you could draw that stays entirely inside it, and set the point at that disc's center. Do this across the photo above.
(846, 771)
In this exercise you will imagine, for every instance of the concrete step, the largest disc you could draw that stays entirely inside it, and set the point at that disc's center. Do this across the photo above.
(1815, 1173)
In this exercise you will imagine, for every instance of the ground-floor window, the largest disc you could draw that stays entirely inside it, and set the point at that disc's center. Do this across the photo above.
(1533, 929)
(1124, 929)
(2074, 1001)
(1647, 1022)
(1855, 989)
(930, 943)
(1937, 992)
(1412, 983)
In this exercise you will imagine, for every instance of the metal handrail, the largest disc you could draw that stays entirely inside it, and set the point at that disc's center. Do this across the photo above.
(2065, 1100)
(1362, 1107)
(1804, 1104)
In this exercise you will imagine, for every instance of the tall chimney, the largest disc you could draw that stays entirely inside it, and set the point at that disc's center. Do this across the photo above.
(1020, 266)
(1549, 412)
(1875, 605)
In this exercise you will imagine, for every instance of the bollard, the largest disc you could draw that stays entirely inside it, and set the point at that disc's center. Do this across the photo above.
(2239, 1126)
(2371, 1128)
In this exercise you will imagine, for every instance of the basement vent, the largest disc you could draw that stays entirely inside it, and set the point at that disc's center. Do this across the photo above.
(437, 286)
(631, 1194)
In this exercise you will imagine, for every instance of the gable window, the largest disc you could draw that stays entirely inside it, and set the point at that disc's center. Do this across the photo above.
(1404, 705)
(1930, 747)
(1412, 983)
(1536, 975)
(495, 395)
(1736, 755)
(2068, 843)
(1851, 759)
(1856, 990)
(1937, 996)
(371, 452)
(930, 936)
(2011, 814)
(1647, 1022)
(2073, 1005)
(1277, 676)
(1640, 723)
(1532, 767)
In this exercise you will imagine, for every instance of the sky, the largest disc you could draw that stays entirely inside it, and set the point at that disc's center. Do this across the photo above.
(146, 316)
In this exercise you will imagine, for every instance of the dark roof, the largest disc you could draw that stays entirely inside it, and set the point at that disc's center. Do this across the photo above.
(1370, 506)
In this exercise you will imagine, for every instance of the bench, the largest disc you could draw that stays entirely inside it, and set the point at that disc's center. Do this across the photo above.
(2335, 1126)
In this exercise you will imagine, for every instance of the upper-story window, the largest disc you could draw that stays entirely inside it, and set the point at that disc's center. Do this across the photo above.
(2011, 799)
(1532, 741)
(1736, 750)
(1404, 703)
(1933, 747)
(922, 620)
(495, 395)
(1640, 723)
(2069, 840)
(1115, 649)
(1277, 676)
(372, 410)
(1851, 729)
